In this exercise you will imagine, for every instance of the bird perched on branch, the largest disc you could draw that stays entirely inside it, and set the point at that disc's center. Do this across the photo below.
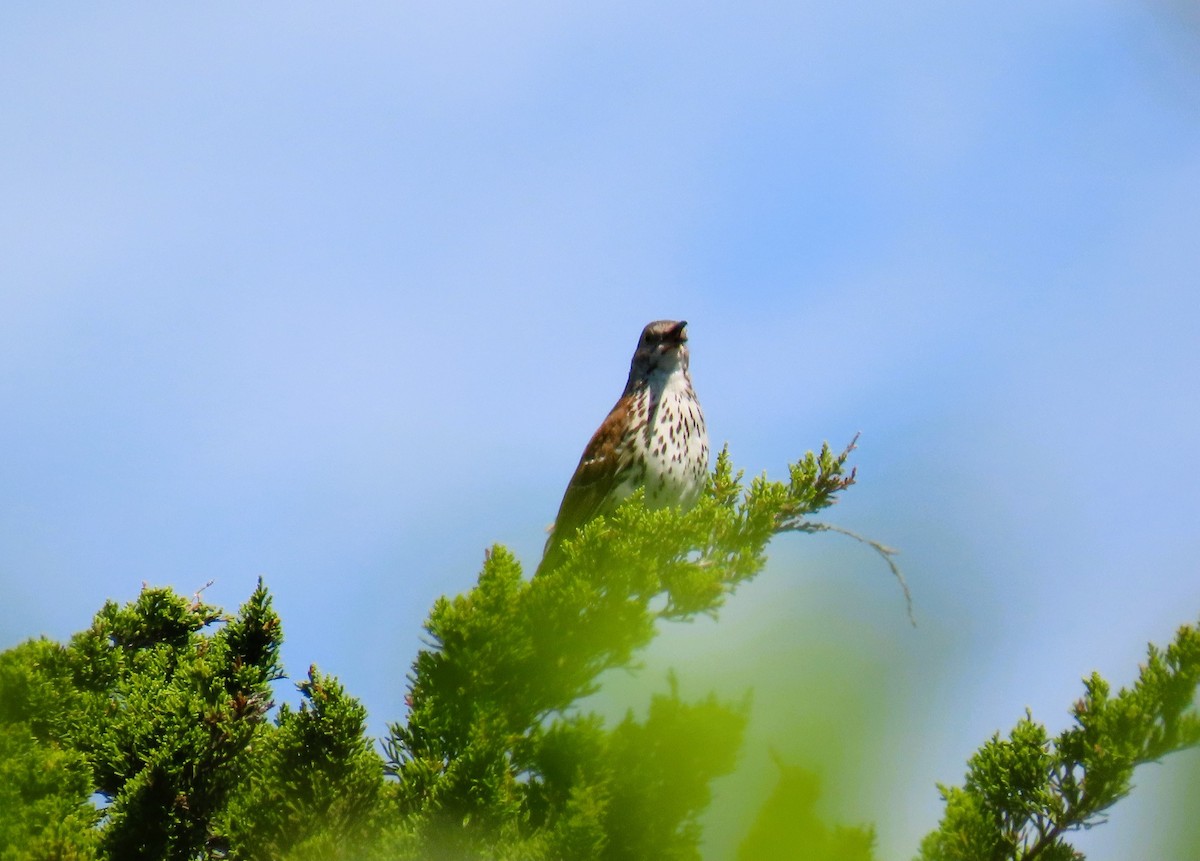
(654, 437)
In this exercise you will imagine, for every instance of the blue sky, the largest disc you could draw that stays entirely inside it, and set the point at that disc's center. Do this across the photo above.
(336, 296)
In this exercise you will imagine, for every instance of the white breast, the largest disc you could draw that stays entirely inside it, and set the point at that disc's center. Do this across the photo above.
(677, 458)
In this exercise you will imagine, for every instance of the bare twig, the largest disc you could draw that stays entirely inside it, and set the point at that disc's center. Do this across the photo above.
(887, 553)
(196, 602)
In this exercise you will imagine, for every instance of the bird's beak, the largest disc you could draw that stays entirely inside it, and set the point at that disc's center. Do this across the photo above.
(680, 331)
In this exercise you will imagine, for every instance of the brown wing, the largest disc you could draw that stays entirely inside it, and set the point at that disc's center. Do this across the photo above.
(600, 469)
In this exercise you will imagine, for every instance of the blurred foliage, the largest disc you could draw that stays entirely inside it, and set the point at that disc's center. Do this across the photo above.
(788, 825)
(1179, 835)
(493, 755)
(147, 736)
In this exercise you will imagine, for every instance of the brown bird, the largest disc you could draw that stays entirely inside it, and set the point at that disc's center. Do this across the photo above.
(654, 437)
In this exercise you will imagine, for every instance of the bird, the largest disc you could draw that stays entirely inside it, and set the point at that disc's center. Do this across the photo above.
(654, 437)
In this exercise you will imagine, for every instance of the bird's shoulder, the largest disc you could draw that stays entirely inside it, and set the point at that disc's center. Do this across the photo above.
(601, 468)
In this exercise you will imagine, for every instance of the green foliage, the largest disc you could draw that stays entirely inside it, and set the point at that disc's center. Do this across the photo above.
(313, 786)
(147, 711)
(47, 788)
(483, 755)
(171, 712)
(160, 710)
(666, 764)
(44, 786)
(1024, 793)
(788, 825)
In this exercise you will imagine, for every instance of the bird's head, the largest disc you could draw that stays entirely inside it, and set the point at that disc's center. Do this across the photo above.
(662, 349)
